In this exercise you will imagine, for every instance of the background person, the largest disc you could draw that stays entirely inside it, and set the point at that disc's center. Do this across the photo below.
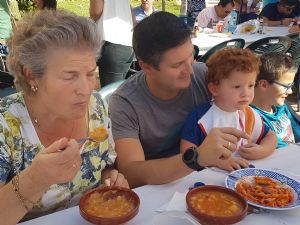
(45, 4)
(231, 83)
(149, 108)
(279, 13)
(117, 53)
(214, 14)
(194, 7)
(145, 9)
(274, 83)
(249, 11)
(9, 15)
(42, 168)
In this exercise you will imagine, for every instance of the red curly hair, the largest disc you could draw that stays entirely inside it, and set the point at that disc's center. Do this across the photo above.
(223, 62)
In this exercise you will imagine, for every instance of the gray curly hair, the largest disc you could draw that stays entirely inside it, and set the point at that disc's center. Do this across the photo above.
(44, 30)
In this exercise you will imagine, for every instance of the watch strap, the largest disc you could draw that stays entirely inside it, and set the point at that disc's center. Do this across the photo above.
(194, 163)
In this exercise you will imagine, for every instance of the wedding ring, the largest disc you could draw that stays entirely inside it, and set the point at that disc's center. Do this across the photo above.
(229, 144)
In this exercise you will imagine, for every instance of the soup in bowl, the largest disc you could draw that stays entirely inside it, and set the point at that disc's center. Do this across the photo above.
(109, 205)
(216, 205)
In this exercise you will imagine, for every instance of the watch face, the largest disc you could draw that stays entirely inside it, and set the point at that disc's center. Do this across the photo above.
(189, 155)
(190, 158)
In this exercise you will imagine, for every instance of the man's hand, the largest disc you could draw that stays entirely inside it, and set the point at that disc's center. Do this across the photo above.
(232, 163)
(287, 21)
(219, 144)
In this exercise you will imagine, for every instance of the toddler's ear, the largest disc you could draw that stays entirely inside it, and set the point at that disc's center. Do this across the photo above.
(213, 88)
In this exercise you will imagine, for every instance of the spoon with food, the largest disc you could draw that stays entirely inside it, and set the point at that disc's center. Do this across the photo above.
(97, 135)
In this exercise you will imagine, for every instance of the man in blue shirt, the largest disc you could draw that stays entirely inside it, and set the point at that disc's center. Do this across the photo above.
(145, 9)
(279, 13)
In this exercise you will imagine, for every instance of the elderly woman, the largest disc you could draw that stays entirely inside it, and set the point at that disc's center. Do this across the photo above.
(42, 167)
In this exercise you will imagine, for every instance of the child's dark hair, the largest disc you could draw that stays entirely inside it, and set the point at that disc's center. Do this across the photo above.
(223, 3)
(222, 63)
(288, 2)
(157, 34)
(274, 65)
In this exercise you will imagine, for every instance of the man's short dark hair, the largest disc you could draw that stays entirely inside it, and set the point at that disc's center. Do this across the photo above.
(288, 2)
(156, 34)
(223, 3)
(274, 65)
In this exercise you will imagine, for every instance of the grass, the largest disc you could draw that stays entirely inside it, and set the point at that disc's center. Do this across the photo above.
(81, 7)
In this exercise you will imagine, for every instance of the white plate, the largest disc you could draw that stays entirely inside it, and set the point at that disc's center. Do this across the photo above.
(174, 218)
(232, 179)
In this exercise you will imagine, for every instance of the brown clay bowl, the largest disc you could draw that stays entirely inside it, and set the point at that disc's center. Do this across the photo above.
(203, 211)
(109, 194)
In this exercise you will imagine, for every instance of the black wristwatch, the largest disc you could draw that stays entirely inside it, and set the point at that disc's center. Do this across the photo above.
(190, 158)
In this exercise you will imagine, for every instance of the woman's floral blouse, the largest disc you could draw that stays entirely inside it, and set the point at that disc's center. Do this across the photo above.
(19, 144)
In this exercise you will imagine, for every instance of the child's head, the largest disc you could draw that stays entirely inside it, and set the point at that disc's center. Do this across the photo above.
(275, 79)
(231, 77)
(287, 7)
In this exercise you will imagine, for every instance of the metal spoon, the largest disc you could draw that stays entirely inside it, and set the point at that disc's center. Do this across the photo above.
(82, 140)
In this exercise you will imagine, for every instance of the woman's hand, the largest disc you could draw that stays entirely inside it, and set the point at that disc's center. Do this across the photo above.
(59, 163)
(112, 177)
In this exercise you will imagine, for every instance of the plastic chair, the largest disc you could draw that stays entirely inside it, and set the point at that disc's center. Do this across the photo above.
(234, 43)
(6, 80)
(196, 52)
(295, 45)
(271, 44)
(6, 84)
(292, 111)
(107, 90)
(7, 91)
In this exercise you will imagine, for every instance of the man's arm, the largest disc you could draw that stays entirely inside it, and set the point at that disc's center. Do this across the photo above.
(284, 22)
(96, 9)
(138, 171)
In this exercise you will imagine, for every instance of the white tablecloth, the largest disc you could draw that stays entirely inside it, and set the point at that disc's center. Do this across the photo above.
(285, 160)
(207, 41)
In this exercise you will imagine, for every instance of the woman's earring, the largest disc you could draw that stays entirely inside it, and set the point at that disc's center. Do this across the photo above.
(34, 88)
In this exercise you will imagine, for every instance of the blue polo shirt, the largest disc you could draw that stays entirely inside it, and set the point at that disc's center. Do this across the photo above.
(140, 13)
(271, 12)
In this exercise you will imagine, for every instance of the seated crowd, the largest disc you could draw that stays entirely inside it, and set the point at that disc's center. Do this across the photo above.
(281, 13)
(171, 118)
